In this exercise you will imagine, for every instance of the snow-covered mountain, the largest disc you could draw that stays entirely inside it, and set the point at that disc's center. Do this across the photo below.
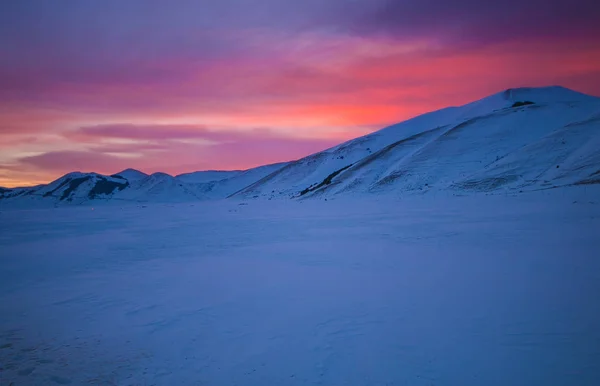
(133, 186)
(213, 184)
(131, 175)
(73, 187)
(526, 138)
(519, 139)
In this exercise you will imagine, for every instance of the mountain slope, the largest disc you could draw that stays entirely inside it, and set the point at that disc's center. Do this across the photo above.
(207, 176)
(512, 139)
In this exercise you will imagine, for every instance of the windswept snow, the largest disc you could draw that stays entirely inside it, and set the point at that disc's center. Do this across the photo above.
(425, 290)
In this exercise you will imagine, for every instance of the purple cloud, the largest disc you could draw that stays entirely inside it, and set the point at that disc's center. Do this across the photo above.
(158, 55)
(65, 161)
(230, 150)
(143, 132)
(309, 64)
(470, 21)
(168, 132)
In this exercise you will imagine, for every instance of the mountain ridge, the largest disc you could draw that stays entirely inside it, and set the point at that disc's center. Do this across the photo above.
(570, 107)
(508, 140)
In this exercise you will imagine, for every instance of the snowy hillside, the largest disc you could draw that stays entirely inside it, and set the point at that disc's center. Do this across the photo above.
(527, 138)
(133, 186)
(207, 176)
(158, 187)
(221, 184)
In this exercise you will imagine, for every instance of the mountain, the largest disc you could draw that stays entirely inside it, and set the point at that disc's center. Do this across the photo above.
(73, 187)
(133, 186)
(519, 139)
(158, 187)
(246, 178)
(526, 138)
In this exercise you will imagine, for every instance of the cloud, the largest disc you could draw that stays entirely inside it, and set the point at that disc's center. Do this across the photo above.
(64, 161)
(230, 148)
(141, 132)
(472, 21)
(192, 80)
(169, 132)
(242, 57)
(151, 148)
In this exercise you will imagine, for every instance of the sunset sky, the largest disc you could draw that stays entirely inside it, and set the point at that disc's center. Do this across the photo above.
(179, 86)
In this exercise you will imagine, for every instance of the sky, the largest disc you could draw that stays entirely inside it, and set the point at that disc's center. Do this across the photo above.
(187, 85)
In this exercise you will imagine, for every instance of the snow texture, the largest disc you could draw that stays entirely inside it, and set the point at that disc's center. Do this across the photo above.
(431, 289)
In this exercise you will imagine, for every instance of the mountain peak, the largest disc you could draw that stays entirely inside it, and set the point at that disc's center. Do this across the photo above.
(131, 170)
(507, 98)
(131, 174)
(548, 94)
(161, 175)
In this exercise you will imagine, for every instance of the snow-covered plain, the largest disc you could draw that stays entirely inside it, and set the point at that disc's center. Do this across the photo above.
(427, 290)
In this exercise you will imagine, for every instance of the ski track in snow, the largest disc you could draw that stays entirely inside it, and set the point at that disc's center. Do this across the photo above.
(481, 290)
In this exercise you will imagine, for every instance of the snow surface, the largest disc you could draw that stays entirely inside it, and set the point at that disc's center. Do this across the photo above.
(427, 290)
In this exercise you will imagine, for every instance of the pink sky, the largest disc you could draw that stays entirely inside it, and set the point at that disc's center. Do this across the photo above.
(106, 89)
